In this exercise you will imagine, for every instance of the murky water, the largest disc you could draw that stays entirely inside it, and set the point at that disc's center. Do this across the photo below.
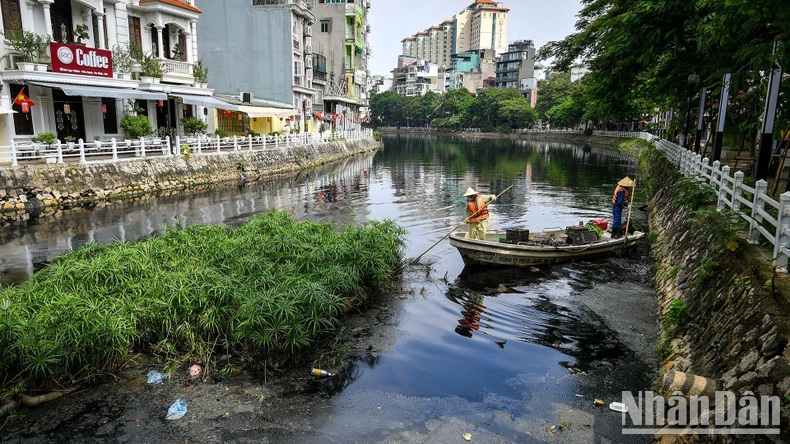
(536, 344)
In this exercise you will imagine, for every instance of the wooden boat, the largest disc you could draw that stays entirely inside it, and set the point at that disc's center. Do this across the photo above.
(492, 252)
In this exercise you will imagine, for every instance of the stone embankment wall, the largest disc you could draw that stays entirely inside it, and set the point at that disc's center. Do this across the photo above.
(36, 187)
(739, 308)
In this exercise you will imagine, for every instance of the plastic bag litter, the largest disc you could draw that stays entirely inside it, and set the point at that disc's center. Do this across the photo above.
(154, 377)
(177, 410)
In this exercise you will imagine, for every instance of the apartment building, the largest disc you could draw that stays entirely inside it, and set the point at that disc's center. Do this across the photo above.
(469, 69)
(260, 54)
(416, 77)
(516, 69)
(481, 26)
(74, 88)
(342, 43)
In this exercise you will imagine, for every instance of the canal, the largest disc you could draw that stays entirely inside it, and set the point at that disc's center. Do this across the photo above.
(506, 355)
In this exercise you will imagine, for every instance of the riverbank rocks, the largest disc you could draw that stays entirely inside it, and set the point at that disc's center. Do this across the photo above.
(740, 313)
(37, 188)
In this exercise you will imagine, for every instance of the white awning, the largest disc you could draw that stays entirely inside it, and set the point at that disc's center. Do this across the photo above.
(98, 91)
(209, 102)
(260, 111)
(4, 110)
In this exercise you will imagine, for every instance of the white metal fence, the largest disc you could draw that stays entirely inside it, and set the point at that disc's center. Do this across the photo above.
(753, 204)
(119, 150)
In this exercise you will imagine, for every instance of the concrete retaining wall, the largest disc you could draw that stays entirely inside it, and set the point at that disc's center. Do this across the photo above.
(36, 187)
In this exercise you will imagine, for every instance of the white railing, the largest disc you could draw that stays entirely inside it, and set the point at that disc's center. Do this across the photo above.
(753, 204)
(124, 150)
(176, 67)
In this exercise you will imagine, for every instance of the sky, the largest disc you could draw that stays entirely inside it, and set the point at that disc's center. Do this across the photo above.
(390, 21)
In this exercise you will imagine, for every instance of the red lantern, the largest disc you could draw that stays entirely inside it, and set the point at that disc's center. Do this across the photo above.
(25, 107)
(161, 103)
(104, 108)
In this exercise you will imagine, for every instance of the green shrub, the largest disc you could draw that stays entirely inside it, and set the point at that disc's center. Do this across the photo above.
(193, 125)
(263, 292)
(186, 151)
(693, 194)
(678, 318)
(135, 127)
(47, 138)
(219, 132)
(200, 72)
(377, 136)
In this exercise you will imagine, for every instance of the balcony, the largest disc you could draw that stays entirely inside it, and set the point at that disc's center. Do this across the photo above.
(319, 76)
(174, 71)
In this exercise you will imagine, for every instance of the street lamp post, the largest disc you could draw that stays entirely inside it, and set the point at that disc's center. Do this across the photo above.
(693, 80)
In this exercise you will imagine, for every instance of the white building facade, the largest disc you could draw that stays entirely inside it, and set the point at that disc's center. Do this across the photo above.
(77, 90)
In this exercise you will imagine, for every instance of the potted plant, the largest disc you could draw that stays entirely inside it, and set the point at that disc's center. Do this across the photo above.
(200, 73)
(70, 140)
(194, 126)
(42, 142)
(135, 127)
(30, 47)
(122, 61)
(80, 33)
(178, 52)
(151, 69)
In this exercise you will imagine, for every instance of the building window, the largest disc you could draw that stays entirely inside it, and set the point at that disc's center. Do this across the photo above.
(326, 25)
(110, 116)
(135, 32)
(23, 123)
(298, 70)
(11, 16)
(234, 122)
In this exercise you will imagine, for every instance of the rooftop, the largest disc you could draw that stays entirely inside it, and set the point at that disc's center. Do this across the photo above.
(177, 3)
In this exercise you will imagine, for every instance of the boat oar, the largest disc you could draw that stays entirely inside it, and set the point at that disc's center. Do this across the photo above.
(628, 221)
(417, 259)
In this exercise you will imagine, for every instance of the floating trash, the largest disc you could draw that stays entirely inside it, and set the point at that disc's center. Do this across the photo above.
(155, 377)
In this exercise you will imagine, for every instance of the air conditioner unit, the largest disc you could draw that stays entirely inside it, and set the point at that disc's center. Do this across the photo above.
(246, 97)
(308, 31)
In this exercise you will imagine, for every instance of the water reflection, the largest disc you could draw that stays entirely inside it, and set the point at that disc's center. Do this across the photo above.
(522, 305)
(30, 245)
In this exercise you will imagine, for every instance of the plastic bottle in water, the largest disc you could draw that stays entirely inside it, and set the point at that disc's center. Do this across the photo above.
(321, 373)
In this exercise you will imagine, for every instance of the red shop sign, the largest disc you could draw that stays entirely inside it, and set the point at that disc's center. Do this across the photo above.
(82, 60)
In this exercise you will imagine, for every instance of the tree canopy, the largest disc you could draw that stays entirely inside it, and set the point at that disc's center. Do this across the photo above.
(501, 109)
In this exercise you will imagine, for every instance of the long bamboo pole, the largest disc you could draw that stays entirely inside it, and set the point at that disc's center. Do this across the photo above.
(417, 259)
(628, 221)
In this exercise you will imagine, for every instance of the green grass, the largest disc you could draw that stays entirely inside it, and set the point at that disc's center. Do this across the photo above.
(264, 292)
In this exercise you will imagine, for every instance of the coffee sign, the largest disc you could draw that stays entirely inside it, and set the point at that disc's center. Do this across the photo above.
(81, 60)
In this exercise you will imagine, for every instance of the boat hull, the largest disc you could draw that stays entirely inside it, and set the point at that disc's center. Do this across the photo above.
(495, 253)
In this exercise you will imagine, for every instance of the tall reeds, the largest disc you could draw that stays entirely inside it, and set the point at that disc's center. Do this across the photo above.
(263, 291)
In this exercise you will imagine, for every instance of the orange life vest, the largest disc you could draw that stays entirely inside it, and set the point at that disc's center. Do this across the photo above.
(478, 204)
(617, 190)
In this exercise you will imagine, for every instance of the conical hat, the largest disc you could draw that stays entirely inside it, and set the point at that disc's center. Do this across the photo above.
(627, 182)
(470, 192)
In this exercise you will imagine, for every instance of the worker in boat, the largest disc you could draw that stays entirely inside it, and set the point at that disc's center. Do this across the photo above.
(619, 202)
(477, 213)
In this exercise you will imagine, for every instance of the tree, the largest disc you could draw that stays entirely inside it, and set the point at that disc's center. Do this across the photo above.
(552, 92)
(517, 113)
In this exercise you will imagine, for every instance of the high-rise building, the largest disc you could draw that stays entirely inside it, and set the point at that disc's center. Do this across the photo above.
(260, 52)
(341, 41)
(481, 25)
